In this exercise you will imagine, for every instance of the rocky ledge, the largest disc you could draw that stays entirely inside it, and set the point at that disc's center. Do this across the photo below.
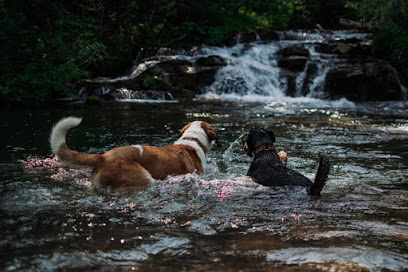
(167, 79)
(351, 71)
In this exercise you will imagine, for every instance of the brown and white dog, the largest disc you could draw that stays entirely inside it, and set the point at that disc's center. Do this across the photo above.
(137, 166)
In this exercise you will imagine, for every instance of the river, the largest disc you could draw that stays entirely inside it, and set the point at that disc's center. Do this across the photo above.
(219, 221)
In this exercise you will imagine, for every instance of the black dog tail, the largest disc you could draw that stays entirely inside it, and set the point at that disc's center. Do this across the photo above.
(321, 175)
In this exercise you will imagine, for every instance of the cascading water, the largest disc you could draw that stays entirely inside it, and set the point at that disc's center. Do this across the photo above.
(297, 67)
(253, 73)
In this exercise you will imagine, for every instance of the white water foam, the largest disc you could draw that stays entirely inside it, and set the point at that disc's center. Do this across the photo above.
(365, 257)
(252, 75)
(282, 101)
(149, 101)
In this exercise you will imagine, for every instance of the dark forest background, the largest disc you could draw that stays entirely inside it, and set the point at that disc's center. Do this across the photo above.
(47, 46)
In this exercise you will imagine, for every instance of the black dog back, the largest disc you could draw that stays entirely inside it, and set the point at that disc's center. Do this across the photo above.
(267, 169)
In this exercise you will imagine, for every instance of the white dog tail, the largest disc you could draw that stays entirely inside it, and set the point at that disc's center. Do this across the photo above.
(66, 156)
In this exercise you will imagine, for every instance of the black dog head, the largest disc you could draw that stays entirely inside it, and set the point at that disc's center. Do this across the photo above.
(257, 137)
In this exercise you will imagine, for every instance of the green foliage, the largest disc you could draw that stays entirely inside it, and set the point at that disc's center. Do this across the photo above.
(94, 99)
(149, 82)
(47, 46)
(391, 21)
(392, 43)
(44, 49)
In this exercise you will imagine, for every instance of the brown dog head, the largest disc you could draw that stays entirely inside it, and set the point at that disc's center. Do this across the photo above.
(194, 129)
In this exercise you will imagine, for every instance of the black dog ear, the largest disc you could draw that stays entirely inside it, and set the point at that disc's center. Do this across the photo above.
(272, 135)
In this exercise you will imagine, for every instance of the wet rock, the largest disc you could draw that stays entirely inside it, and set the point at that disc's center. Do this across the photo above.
(148, 87)
(357, 48)
(187, 75)
(293, 58)
(168, 79)
(211, 61)
(366, 80)
(343, 48)
(326, 48)
(291, 86)
(293, 51)
(248, 36)
(269, 35)
(310, 74)
(293, 63)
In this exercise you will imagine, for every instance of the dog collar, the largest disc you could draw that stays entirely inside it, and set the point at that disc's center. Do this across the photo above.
(263, 147)
(198, 142)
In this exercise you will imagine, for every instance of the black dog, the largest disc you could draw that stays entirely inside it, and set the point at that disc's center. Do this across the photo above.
(267, 168)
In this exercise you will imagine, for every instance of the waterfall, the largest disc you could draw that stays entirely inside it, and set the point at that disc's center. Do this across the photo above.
(296, 67)
(253, 73)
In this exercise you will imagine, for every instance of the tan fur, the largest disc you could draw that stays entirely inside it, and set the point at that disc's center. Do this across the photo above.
(210, 131)
(184, 129)
(129, 166)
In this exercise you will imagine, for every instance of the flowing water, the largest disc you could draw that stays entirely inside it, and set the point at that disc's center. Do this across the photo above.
(50, 219)
(219, 221)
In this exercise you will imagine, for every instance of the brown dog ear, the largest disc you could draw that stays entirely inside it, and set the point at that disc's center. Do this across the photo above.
(210, 131)
(184, 129)
(245, 145)
(246, 149)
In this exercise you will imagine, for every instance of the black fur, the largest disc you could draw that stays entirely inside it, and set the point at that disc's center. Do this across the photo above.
(267, 169)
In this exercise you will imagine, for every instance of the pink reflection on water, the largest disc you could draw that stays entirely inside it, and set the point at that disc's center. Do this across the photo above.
(36, 165)
(223, 188)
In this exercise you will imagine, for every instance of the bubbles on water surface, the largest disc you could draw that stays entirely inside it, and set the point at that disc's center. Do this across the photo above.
(221, 215)
(345, 259)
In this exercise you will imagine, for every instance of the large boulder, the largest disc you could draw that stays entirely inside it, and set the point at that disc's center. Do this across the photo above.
(293, 51)
(167, 79)
(186, 74)
(364, 80)
(293, 58)
(293, 63)
(269, 35)
(211, 61)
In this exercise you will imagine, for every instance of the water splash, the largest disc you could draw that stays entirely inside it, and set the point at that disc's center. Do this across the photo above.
(253, 75)
(341, 257)
(36, 165)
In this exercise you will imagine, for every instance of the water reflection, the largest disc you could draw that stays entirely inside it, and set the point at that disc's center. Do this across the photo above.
(51, 220)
